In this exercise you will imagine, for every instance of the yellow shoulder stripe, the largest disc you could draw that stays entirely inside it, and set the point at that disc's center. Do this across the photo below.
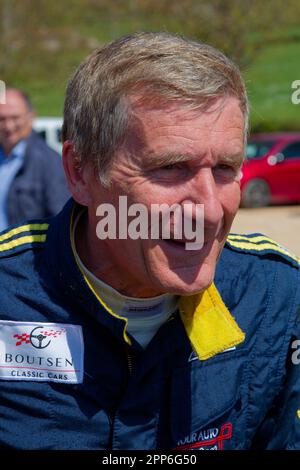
(21, 229)
(257, 239)
(22, 241)
(261, 247)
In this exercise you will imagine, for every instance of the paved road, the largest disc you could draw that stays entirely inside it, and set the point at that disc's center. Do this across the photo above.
(282, 223)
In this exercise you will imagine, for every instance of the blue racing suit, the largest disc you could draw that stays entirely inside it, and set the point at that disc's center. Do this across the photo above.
(222, 373)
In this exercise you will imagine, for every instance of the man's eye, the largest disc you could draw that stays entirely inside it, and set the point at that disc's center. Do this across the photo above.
(226, 171)
(225, 168)
(171, 166)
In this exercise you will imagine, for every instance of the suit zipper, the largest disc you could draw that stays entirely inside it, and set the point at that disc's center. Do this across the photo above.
(111, 417)
(129, 362)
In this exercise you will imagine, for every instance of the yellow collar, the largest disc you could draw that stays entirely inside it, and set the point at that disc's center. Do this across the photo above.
(208, 323)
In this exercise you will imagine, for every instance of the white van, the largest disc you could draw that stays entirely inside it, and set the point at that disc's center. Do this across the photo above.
(49, 128)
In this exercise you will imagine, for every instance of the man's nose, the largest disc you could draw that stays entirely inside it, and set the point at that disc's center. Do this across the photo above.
(205, 191)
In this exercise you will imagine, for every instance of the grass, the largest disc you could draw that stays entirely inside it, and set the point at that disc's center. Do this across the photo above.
(269, 81)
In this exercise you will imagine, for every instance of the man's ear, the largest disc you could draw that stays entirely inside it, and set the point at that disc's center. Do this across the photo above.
(78, 178)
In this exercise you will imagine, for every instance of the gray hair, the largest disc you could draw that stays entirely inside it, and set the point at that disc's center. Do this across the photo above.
(160, 68)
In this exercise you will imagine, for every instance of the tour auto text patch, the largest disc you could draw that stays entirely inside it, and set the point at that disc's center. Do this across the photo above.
(51, 352)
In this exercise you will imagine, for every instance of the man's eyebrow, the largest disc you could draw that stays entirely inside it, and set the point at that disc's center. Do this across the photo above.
(152, 159)
(233, 158)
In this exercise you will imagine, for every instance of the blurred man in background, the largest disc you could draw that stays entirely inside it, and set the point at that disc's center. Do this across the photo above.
(32, 184)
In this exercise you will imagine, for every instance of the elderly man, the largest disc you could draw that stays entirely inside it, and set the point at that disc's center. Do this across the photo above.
(111, 341)
(31, 175)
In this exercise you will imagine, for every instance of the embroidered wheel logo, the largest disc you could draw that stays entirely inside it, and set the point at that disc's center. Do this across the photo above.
(38, 337)
(37, 340)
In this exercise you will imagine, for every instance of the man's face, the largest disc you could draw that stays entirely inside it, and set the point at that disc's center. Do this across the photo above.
(15, 120)
(210, 147)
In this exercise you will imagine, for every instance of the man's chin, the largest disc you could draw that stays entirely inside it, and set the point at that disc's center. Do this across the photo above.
(188, 285)
(192, 290)
(186, 275)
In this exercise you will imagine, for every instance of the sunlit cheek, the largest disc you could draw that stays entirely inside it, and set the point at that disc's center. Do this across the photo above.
(234, 200)
(230, 195)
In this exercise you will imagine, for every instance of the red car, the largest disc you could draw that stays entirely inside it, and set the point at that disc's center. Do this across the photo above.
(271, 171)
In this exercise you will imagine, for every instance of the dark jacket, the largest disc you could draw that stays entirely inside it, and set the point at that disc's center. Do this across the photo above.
(39, 188)
(222, 374)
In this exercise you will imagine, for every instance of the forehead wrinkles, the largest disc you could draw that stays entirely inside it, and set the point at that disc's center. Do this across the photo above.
(136, 134)
(223, 114)
(147, 124)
